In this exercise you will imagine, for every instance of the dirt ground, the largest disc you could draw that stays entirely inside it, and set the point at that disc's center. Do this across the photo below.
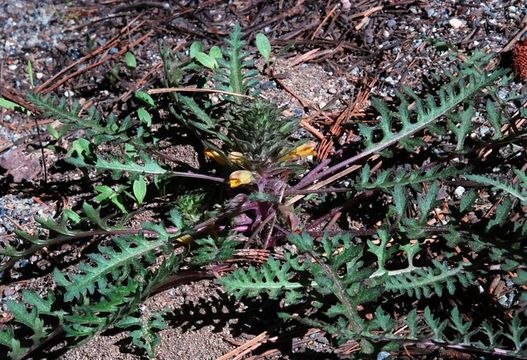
(333, 49)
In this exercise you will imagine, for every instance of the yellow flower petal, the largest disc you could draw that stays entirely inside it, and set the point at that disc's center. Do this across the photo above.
(216, 156)
(237, 158)
(240, 177)
(306, 150)
(301, 152)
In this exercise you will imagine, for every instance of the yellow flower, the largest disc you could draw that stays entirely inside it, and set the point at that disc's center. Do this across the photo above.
(240, 177)
(216, 156)
(301, 152)
(237, 158)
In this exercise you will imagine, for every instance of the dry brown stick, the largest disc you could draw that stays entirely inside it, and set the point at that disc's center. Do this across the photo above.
(141, 6)
(302, 58)
(365, 16)
(190, 89)
(306, 125)
(10, 95)
(366, 13)
(247, 347)
(327, 142)
(110, 43)
(319, 27)
(39, 123)
(330, 180)
(353, 109)
(1, 80)
(272, 353)
(102, 61)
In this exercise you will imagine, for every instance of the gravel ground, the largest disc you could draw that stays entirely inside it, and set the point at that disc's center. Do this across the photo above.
(391, 45)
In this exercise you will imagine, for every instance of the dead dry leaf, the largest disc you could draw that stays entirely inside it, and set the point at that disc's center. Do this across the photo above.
(20, 165)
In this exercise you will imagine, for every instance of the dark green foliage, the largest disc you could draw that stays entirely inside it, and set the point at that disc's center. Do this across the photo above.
(337, 281)
(409, 278)
(237, 74)
(145, 335)
(427, 112)
(99, 129)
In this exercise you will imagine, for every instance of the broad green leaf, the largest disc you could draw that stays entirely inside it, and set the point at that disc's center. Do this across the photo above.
(144, 116)
(145, 98)
(206, 60)
(95, 216)
(6, 336)
(130, 60)
(264, 46)
(215, 52)
(399, 200)
(366, 347)
(195, 48)
(58, 133)
(41, 304)
(139, 188)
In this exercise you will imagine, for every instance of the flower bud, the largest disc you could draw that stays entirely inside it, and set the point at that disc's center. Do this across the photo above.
(216, 156)
(237, 158)
(240, 177)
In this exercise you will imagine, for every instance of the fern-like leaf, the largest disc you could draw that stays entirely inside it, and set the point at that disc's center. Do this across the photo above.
(425, 281)
(273, 278)
(109, 262)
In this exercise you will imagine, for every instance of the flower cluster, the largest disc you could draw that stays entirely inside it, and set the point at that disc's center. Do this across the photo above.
(237, 159)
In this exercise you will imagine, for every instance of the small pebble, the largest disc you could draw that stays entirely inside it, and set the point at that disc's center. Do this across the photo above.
(460, 190)
(457, 23)
(9, 291)
(484, 131)
(391, 23)
(390, 80)
(298, 112)
(431, 12)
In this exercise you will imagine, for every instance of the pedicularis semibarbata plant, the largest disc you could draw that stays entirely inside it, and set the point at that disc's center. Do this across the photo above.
(419, 272)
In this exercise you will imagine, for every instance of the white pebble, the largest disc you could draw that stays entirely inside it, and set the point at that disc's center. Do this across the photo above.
(457, 23)
(460, 190)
